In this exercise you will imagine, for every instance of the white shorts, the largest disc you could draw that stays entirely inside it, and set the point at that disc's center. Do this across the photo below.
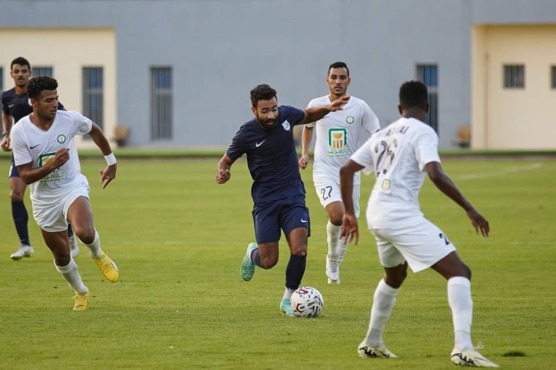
(421, 245)
(328, 190)
(54, 218)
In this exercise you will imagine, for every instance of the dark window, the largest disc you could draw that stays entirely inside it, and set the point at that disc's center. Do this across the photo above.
(1, 79)
(428, 74)
(43, 71)
(93, 94)
(553, 76)
(514, 76)
(161, 103)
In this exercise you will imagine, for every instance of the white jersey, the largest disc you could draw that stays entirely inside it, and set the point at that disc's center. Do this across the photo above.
(33, 145)
(397, 155)
(340, 133)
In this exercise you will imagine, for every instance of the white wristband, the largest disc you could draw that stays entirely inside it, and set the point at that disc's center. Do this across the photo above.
(110, 159)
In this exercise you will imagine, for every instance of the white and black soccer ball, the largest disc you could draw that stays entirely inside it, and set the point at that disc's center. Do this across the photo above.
(307, 302)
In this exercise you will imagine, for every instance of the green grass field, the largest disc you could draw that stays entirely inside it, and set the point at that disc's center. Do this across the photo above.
(178, 240)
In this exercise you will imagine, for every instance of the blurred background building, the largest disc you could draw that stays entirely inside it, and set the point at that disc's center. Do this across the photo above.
(178, 73)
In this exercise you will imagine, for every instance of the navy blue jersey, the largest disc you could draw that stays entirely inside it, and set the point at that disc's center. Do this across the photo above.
(18, 106)
(271, 156)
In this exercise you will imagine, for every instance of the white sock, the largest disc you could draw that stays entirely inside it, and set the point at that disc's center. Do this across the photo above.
(342, 248)
(71, 274)
(288, 293)
(383, 303)
(94, 247)
(461, 304)
(333, 237)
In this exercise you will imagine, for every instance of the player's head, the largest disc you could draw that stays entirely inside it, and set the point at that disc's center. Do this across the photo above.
(264, 105)
(338, 78)
(44, 96)
(20, 70)
(414, 98)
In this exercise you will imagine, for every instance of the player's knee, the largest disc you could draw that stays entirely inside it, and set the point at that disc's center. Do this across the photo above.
(300, 250)
(268, 262)
(85, 234)
(336, 218)
(16, 196)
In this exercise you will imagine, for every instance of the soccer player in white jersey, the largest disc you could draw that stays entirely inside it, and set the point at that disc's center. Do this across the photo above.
(46, 156)
(338, 135)
(400, 156)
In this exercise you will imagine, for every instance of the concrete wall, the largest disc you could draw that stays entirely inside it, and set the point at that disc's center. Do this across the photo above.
(220, 49)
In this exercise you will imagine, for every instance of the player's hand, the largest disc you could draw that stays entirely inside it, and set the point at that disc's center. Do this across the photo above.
(479, 222)
(60, 158)
(350, 229)
(108, 174)
(338, 103)
(222, 176)
(304, 161)
(6, 143)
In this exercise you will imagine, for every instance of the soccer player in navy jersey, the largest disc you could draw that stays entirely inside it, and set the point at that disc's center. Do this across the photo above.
(16, 105)
(278, 191)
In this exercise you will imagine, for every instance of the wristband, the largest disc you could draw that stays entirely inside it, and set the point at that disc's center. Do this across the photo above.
(110, 159)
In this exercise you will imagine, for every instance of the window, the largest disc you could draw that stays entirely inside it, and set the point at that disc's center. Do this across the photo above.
(552, 73)
(93, 94)
(514, 76)
(42, 71)
(1, 79)
(161, 103)
(428, 74)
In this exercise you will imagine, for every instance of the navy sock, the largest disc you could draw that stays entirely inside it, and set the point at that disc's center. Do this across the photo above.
(295, 271)
(256, 258)
(19, 214)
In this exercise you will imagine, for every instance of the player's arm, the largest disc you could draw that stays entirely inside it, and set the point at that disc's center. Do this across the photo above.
(350, 229)
(7, 123)
(30, 175)
(445, 184)
(109, 173)
(223, 174)
(313, 114)
(306, 138)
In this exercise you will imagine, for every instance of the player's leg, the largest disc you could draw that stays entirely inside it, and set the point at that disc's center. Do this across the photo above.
(264, 253)
(74, 247)
(57, 242)
(296, 225)
(80, 215)
(19, 213)
(384, 299)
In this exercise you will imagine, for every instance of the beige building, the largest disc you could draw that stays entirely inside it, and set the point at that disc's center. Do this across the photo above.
(514, 87)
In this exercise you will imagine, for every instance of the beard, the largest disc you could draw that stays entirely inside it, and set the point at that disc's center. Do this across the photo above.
(266, 124)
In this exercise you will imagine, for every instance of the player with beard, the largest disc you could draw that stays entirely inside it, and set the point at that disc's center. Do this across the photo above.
(278, 192)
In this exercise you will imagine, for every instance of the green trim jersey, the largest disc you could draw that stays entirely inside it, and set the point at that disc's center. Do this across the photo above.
(32, 145)
(340, 133)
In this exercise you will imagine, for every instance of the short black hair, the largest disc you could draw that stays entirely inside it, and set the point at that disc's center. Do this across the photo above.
(414, 94)
(262, 92)
(21, 61)
(38, 84)
(338, 65)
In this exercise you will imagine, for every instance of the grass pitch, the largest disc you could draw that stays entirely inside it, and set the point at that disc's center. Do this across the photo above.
(178, 240)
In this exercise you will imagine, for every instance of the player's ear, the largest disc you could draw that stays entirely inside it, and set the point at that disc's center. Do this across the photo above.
(254, 110)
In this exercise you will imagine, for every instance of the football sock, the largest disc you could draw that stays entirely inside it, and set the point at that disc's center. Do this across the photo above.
(256, 257)
(71, 274)
(332, 237)
(295, 271)
(288, 293)
(461, 304)
(19, 214)
(383, 303)
(94, 247)
(70, 231)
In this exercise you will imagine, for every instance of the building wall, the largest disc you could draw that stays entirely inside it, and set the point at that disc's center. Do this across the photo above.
(67, 51)
(219, 49)
(510, 118)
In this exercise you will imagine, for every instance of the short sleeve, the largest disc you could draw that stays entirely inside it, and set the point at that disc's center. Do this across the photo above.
(364, 157)
(21, 151)
(426, 148)
(84, 124)
(237, 148)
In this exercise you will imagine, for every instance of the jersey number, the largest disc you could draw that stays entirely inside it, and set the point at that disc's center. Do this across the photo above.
(326, 192)
(386, 155)
(443, 237)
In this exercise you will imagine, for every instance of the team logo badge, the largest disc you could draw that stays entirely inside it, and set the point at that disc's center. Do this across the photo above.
(350, 119)
(286, 125)
(61, 139)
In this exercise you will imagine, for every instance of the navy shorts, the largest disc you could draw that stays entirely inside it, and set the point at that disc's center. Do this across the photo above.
(285, 214)
(14, 172)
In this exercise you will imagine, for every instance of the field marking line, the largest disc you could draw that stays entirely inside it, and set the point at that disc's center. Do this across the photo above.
(503, 171)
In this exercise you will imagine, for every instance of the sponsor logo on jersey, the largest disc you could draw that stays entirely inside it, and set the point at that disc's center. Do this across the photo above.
(337, 142)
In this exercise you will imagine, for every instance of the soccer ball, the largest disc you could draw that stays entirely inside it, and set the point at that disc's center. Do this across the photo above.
(307, 302)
